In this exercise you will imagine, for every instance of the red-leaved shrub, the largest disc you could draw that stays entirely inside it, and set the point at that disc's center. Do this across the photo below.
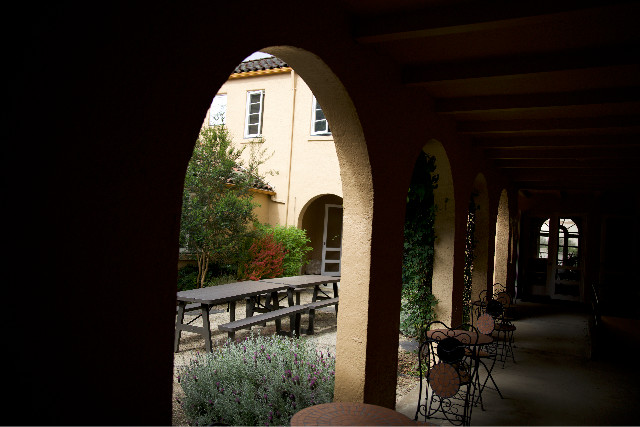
(266, 257)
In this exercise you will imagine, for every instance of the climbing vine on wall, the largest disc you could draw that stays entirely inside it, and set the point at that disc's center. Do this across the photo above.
(418, 303)
(469, 256)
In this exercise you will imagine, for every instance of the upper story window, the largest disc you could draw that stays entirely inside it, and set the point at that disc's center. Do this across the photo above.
(253, 119)
(218, 110)
(319, 123)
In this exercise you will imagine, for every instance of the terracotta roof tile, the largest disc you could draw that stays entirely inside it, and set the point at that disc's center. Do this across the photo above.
(260, 65)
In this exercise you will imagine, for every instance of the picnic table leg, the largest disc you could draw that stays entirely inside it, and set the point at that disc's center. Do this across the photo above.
(312, 312)
(335, 294)
(179, 321)
(206, 332)
(232, 317)
(294, 319)
(295, 326)
(274, 306)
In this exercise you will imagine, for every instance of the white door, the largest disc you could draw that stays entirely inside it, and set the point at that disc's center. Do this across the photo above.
(332, 240)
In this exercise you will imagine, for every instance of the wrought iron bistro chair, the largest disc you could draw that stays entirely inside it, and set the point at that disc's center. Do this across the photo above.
(487, 355)
(504, 330)
(450, 374)
(480, 305)
(501, 294)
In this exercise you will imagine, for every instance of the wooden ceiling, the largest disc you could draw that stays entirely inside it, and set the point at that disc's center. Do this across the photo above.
(549, 90)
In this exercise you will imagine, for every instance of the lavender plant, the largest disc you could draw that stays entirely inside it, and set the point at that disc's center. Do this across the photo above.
(262, 380)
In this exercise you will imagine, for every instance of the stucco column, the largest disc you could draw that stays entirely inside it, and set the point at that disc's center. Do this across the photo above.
(501, 261)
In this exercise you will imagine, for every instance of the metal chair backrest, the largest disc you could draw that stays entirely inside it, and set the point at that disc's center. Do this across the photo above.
(486, 324)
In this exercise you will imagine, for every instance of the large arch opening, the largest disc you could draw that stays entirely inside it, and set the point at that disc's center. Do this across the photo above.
(444, 226)
(356, 204)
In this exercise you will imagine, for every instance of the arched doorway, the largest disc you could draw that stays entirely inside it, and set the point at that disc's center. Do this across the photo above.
(322, 219)
(559, 242)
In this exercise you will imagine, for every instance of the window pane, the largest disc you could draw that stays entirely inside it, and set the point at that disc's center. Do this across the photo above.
(254, 98)
(320, 127)
(218, 110)
(254, 109)
(253, 129)
(254, 119)
(320, 114)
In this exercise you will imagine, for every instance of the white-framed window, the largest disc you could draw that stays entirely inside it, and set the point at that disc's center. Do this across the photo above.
(253, 118)
(319, 123)
(218, 110)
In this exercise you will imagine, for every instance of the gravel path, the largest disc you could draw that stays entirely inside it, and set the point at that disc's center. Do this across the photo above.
(325, 338)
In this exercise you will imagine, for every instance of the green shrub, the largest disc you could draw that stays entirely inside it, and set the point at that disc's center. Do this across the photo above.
(258, 381)
(188, 278)
(295, 243)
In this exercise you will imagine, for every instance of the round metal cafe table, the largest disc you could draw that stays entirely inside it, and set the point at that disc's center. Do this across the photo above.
(351, 414)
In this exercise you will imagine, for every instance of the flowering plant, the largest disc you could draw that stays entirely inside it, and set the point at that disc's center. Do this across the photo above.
(266, 258)
(257, 381)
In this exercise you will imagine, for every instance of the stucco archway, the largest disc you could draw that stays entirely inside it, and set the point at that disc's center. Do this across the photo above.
(355, 174)
(444, 199)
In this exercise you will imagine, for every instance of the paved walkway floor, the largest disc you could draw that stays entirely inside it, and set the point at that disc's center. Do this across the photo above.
(554, 380)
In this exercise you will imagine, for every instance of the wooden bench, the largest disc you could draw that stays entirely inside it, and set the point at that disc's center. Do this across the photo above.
(294, 312)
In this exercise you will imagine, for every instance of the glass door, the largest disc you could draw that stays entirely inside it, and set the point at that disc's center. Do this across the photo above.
(559, 243)
(332, 240)
(567, 268)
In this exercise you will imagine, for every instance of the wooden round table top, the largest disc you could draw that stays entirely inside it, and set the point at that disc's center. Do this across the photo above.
(350, 414)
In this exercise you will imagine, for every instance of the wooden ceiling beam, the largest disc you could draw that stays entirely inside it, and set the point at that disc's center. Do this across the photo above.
(463, 17)
(573, 59)
(587, 186)
(535, 175)
(539, 100)
(521, 125)
(568, 163)
(562, 152)
(605, 141)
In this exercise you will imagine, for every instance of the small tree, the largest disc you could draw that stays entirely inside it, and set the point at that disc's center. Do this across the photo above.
(217, 206)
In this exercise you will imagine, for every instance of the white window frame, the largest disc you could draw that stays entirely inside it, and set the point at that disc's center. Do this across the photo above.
(258, 134)
(314, 109)
(218, 110)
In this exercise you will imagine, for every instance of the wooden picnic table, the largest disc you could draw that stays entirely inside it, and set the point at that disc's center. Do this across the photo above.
(251, 291)
(221, 294)
(308, 280)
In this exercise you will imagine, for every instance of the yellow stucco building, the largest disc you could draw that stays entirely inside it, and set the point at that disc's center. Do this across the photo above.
(266, 101)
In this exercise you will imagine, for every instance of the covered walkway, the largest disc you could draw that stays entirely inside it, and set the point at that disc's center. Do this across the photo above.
(555, 381)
